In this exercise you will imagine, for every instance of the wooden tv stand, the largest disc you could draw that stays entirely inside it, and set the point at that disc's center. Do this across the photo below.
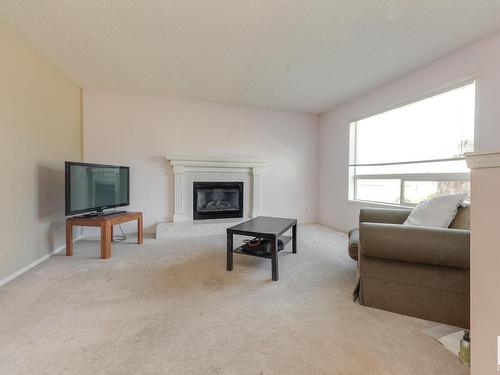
(106, 223)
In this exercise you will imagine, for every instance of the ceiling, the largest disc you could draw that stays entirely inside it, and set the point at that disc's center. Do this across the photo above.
(297, 55)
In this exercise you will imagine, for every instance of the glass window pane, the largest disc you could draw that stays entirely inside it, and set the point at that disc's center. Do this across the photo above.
(409, 140)
(378, 190)
(453, 187)
(438, 127)
(417, 191)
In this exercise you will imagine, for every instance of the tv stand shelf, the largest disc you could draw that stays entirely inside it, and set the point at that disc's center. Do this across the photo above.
(105, 222)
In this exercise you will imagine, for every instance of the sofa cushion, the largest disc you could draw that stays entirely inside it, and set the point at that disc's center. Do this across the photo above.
(438, 211)
(462, 219)
(434, 293)
(353, 243)
(447, 279)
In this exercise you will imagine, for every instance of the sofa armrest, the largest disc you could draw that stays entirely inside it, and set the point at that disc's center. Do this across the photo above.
(384, 215)
(433, 246)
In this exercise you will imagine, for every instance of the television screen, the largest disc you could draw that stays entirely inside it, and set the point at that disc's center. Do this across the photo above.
(95, 187)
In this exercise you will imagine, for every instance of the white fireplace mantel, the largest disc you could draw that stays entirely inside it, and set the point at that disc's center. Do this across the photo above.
(216, 164)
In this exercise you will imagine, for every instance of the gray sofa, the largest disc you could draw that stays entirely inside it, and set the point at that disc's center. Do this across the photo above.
(416, 271)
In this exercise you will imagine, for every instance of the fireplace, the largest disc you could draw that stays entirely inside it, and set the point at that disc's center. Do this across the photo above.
(217, 200)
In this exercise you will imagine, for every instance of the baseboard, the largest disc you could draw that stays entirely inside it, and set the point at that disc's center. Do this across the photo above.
(35, 263)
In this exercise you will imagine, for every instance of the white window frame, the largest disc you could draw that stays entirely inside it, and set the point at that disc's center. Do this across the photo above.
(453, 177)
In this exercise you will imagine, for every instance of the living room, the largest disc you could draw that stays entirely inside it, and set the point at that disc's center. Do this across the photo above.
(151, 147)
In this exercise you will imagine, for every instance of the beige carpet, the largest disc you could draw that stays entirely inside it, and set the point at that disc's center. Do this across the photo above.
(170, 307)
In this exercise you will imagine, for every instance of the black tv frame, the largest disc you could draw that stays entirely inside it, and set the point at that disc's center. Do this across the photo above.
(67, 188)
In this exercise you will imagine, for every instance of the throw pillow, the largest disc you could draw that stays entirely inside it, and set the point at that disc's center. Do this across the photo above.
(438, 211)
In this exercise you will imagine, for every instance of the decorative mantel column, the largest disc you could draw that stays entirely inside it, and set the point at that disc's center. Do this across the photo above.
(256, 191)
(178, 193)
(216, 164)
(485, 260)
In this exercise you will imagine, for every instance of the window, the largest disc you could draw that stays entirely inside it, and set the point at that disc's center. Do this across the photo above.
(412, 152)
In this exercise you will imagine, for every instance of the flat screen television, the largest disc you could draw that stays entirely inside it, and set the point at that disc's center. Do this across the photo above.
(92, 188)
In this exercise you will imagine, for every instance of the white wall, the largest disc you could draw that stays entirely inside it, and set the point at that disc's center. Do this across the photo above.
(140, 131)
(40, 127)
(481, 59)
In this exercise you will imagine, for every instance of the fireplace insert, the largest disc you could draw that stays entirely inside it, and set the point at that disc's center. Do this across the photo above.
(217, 200)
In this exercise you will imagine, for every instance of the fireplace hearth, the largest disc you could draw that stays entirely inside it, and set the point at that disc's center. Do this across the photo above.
(217, 200)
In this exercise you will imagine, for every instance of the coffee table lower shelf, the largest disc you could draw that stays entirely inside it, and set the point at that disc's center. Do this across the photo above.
(240, 250)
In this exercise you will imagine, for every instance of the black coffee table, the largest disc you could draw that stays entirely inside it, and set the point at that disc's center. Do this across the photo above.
(271, 228)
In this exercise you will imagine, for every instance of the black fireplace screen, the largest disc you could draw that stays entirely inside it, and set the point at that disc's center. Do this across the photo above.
(213, 200)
